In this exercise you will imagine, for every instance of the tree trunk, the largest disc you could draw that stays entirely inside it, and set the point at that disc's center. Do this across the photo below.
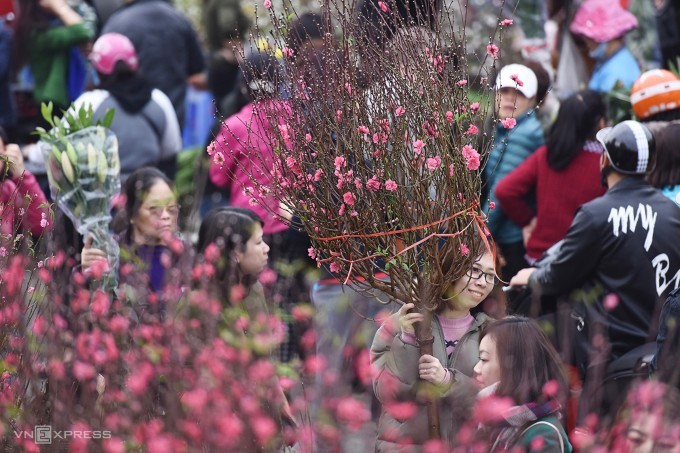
(426, 340)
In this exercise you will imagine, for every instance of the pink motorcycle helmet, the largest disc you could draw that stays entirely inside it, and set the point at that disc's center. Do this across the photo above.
(111, 48)
(602, 20)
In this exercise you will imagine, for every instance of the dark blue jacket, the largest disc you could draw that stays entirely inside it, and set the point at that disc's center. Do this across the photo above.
(7, 117)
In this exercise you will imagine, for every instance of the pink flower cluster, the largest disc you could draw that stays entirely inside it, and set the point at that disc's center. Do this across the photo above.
(471, 157)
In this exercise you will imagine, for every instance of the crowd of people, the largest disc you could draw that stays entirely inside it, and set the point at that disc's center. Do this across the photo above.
(584, 214)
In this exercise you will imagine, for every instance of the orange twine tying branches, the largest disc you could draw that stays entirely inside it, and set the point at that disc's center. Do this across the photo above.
(478, 221)
(387, 233)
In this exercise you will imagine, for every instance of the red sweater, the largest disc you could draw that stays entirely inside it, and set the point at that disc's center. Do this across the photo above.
(558, 195)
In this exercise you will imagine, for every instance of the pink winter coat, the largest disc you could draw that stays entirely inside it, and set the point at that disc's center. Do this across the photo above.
(245, 153)
(16, 207)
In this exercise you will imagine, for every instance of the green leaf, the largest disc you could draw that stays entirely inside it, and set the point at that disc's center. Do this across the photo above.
(82, 115)
(108, 118)
(46, 111)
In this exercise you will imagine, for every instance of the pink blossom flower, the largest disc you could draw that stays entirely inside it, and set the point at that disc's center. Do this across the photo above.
(461, 83)
(363, 130)
(287, 51)
(400, 111)
(373, 184)
(267, 4)
(3, 251)
(491, 409)
(474, 107)
(317, 175)
(341, 211)
(334, 267)
(515, 77)
(218, 158)
(308, 137)
(402, 411)
(195, 399)
(451, 170)
(353, 412)
(264, 428)
(551, 388)
(339, 162)
(348, 87)
(383, 6)
(509, 123)
(43, 221)
(472, 130)
(492, 49)
(311, 252)
(433, 163)
(212, 147)
(268, 277)
(390, 185)
(492, 205)
(418, 146)
(39, 325)
(611, 301)
(212, 253)
(464, 250)
(505, 22)
(349, 198)
(473, 163)
(469, 152)
(83, 371)
(338, 115)
(449, 116)
(100, 304)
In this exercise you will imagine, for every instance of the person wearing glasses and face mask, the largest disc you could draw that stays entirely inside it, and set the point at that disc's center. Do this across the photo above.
(395, 356)
(147, 229)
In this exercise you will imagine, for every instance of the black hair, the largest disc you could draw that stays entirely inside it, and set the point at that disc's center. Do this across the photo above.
(666, 172)
(229, 228)
(577, 121)
(259, 76)
(304, 28)
(135, 190)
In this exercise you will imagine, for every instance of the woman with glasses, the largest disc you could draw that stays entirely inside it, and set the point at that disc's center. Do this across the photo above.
(147, 229)
(400, 370)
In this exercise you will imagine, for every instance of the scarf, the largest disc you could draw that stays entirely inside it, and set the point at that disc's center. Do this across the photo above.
(517, 418)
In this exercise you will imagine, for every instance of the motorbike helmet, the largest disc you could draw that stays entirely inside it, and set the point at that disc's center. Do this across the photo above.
(654, 92)
(111, 48)
(629, 146)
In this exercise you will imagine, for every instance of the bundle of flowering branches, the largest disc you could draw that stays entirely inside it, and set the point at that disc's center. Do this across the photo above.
(79, 365)
(377, 148)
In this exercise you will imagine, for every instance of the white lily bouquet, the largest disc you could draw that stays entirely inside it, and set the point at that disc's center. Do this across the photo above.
(83, 168)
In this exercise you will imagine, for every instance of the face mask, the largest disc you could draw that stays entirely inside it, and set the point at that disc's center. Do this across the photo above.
(600, 52)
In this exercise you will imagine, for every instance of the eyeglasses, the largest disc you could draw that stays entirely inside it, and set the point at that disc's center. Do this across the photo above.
(157, 211)
(476, 273)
